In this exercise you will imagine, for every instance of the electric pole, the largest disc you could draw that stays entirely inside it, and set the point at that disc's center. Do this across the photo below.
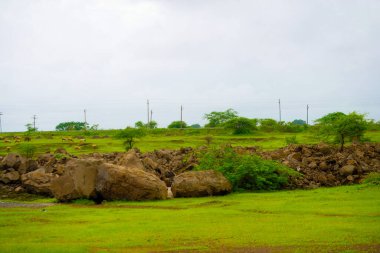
(34, 122)
(307, 114)
(279, 108)
(147, 104)
(181, 116)
(1, 129)
(151, 115)
(85, 119)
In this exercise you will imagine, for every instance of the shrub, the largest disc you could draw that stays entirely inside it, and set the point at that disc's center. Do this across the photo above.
(291, 140)
(241, 125)
(129, 135)
(246, 172)
(178, 124)
(27, 150)
(372, 178)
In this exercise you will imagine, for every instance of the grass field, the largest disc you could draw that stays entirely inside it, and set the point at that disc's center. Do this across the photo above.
(159, 139)
(341, 219)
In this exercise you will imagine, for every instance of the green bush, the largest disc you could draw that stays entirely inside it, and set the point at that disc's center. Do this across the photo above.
(241, 125)
(291, 140)
(27, 150)
(246, 172)
(372, 178)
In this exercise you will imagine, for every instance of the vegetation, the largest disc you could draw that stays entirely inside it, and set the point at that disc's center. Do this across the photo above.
(27, 150)
(151, 125)
(241, 125)
(342, 126)
(338, 219)
(178, 124)
(72, 125)
(372, 178)
(129, 135)
(246, 172)
(217, 119)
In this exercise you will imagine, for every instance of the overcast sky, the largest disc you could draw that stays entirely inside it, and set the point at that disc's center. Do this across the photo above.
(58, 58)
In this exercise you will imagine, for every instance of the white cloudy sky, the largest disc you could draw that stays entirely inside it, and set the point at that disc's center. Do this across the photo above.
(60, 57)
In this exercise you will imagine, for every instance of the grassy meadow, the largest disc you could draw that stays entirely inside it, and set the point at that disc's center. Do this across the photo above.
(340, 219)
(157, 139)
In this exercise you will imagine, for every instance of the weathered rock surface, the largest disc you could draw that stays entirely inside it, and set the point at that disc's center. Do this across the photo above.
(38, 181)
(122, 183)
(200, 183)
(78, 180)
(130, 160)
(11, 160)
(9, 177)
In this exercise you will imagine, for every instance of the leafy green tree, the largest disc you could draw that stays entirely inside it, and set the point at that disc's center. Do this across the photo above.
(178, 124)
(195, 126)
(72, 125)
(217, 119)
(342, 126)
(299, 122)
(129, 136)
(241, 125)
(268, 125)
(151, 125)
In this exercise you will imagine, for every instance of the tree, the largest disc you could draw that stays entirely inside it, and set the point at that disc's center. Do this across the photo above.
(72, 125)
(129, 135)
(217, 119)
(151, 125)
(342, 126)
(241, 125)
(195, 126)
(178, 124)
(299, 122)
(268, 125)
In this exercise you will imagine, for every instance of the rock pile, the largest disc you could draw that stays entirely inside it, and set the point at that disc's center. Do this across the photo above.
(325, 165)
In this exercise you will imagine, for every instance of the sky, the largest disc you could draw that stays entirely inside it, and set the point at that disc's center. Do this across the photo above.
(59, 58)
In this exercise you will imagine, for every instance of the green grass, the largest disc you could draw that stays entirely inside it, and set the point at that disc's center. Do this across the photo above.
(322, 220)
(160, 139)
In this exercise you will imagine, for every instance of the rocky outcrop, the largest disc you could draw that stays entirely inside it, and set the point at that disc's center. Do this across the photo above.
(200, 183)
(129, 183)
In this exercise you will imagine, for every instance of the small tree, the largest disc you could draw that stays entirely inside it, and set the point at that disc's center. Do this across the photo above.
(342, 126)
(178, 124)
(241, 125)
(217, 119)
(129, 136)
(27, 150)
(268, 125)
(151, 125)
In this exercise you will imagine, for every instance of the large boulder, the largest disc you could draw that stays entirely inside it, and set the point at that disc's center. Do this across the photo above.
(200, 183)
(131, 160)
(9, 177)
(129, 183)
(11, 160)
(78, 180)
(38, 181)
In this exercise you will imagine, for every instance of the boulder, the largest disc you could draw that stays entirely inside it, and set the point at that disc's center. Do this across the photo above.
(129, 183)
(347, 170)
(78, 180)
(38, 181)
(200, 183)
(11, 161)
(130, 159)
(27, 166)
(10, 177)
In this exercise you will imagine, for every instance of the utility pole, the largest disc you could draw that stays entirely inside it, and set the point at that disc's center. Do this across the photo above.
(181, 116)
(279, 108)
(85, 119)
(151, 115)
(307, 114)
(34, 122)
(147, 104)
(1, 129)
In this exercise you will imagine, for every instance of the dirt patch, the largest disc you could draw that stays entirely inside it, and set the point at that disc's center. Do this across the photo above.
(28, 205)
